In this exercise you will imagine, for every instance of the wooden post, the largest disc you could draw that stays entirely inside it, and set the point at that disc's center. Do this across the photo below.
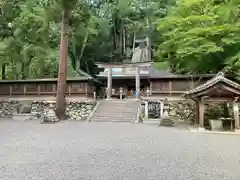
(24, 89)
(196, 121)
(69, 89)
(38, 89)
(109, 84)
(137, 82)
(94, 96)
(150, 88)
(146, 110)
(86, 89)
(10, 89)
(54, 89)
(201, 114)
(236, 115)
(170, 86)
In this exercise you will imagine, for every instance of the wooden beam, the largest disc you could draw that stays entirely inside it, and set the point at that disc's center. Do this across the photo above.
(217, 99)
(201, 114)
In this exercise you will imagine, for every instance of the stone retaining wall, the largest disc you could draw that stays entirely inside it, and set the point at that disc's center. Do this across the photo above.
(183, 110)
(39, 109)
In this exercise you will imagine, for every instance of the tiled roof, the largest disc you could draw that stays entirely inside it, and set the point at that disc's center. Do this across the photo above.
(210, 83)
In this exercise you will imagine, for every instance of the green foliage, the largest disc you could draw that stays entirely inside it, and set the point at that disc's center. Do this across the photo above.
(99, 31)
(201, 36)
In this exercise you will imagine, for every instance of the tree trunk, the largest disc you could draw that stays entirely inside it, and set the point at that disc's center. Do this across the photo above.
(3, 71)
(62, 72)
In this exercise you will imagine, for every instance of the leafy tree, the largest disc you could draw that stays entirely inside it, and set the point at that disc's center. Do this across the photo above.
(201, 36)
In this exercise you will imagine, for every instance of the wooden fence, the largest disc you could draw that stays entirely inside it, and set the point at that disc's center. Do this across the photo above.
(45, 87)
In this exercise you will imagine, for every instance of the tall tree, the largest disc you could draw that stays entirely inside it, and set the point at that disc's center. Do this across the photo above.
(67, 6)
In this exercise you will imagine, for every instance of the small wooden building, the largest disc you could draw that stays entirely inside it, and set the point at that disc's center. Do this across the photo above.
(218, 89)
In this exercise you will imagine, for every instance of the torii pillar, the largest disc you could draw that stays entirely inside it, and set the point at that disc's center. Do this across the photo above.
(137, 77)
(109, 84)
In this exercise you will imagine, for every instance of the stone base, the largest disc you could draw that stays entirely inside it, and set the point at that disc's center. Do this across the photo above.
(48, 122)
(22, 117)
(201, 129)
(237, 130)
(151, 121)
(166, 121)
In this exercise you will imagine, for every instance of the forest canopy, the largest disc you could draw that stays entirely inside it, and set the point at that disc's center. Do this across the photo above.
(188, 36)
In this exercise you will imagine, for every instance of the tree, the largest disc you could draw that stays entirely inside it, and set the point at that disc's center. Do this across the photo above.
(201, 36)
(67, 6)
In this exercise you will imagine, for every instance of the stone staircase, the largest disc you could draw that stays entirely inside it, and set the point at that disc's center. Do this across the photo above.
(116, 111)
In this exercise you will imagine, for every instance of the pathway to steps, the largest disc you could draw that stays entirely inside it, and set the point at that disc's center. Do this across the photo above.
(116, 111)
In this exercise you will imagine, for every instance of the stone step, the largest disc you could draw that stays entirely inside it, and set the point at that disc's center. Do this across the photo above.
(167, 122)
(116, 116)
(112, 119)
(113, 113)
(116, 111)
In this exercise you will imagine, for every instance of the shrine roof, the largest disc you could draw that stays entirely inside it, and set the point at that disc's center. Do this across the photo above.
(80, 76)
(218, 85)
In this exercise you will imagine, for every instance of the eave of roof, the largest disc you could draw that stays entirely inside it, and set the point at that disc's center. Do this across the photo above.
(84, 79)
(210, 83)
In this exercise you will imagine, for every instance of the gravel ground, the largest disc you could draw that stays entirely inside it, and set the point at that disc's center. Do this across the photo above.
(114, 151)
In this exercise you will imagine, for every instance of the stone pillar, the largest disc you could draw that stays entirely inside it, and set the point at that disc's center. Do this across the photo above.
(161, 108)
(109, 84)
(165, 107)
(201, 114)
(146, 110)
(137, 82)
(236, 115)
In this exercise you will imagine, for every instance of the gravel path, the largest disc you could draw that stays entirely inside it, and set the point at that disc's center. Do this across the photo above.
(114, 151)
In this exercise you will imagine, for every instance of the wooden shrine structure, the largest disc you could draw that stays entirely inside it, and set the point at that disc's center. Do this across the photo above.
(218, 89)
